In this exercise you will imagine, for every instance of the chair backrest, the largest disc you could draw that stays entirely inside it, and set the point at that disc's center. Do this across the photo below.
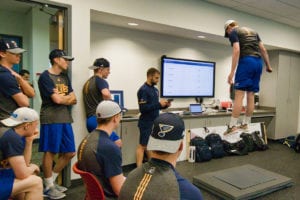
(93, 188)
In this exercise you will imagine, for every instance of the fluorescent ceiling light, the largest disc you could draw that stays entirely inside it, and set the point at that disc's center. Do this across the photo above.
(132, 24)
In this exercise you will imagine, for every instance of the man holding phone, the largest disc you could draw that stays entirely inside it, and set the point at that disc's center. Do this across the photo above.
(149, 106)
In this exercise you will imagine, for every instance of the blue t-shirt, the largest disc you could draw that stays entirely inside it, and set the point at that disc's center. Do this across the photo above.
(148, 99)
(8, 87)
(11, 144)
(102, 157)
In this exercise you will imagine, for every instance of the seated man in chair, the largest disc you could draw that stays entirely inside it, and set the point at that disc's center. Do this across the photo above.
(101, 156)
(158, 179)
(18, 177)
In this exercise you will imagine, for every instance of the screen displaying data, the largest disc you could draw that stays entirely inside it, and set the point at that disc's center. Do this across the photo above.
(187, 78)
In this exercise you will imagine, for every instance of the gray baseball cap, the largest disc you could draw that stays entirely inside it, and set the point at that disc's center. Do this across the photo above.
(107, 108)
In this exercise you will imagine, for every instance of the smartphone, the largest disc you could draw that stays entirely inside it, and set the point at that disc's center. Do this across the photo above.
(169, 100)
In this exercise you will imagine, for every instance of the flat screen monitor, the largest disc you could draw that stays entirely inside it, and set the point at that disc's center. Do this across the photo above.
(187, 78)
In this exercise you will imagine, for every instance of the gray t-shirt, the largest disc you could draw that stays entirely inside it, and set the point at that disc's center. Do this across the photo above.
(50, 111)
(248, 40)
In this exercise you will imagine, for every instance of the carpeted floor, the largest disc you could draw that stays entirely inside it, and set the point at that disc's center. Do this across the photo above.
(278, 158)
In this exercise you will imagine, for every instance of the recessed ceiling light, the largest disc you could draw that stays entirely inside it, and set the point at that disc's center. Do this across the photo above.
(201, 36)
(132, 24)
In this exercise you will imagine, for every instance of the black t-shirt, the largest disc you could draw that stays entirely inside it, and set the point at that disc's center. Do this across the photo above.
(92, 95)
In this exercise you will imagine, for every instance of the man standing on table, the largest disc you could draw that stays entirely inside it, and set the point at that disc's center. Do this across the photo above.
(248, 51)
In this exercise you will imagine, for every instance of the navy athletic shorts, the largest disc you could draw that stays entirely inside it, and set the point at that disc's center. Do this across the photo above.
(145, 131)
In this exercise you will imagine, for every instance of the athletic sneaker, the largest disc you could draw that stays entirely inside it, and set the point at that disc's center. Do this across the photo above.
(243, 126)
(230, 130)
(53, 193)
(60, 188)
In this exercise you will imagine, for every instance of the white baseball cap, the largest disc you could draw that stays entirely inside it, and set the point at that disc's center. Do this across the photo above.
(227, 23)
(20, 116)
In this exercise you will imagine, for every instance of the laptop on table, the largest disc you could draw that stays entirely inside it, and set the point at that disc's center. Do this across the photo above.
(195, 109)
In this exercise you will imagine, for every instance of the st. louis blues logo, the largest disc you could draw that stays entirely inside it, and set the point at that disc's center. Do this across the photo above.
(164, 129)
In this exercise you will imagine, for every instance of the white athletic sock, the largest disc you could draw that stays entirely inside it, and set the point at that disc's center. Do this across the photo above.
(48, 182)
(247, 120)
(233, 122)
(54, 175)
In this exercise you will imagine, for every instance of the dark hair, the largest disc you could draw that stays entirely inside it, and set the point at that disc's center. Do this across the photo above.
(152, 71)
(23, 72)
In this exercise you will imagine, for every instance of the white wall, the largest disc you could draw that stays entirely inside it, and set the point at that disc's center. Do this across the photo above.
(88, 44)
(132, 52)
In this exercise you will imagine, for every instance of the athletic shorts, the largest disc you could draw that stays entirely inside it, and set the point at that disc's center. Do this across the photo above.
(57, 138)
(7, 178)
(91, 124)
(145, 131)
(248, 74)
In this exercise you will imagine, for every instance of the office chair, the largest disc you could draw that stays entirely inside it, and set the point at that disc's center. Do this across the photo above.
(93, 188)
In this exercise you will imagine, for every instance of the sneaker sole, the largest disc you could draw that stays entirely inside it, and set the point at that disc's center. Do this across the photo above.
(61, 190)
(44, 195)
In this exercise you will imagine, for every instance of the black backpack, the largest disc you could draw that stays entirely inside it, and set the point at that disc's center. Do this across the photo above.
(203, 152)
(248, 139)
(216, 145)
(238, 148)
(260, 144)
(297, 144)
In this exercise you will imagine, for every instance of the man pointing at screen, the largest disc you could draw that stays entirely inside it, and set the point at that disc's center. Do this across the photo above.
(149, 106)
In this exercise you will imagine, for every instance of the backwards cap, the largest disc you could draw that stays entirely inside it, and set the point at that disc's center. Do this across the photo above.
(167, 133)
(227, 23)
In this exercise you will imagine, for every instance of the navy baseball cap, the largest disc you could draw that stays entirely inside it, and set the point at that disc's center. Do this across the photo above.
(167, 133)
(100, 62)
(57, 53)
(10, 46)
